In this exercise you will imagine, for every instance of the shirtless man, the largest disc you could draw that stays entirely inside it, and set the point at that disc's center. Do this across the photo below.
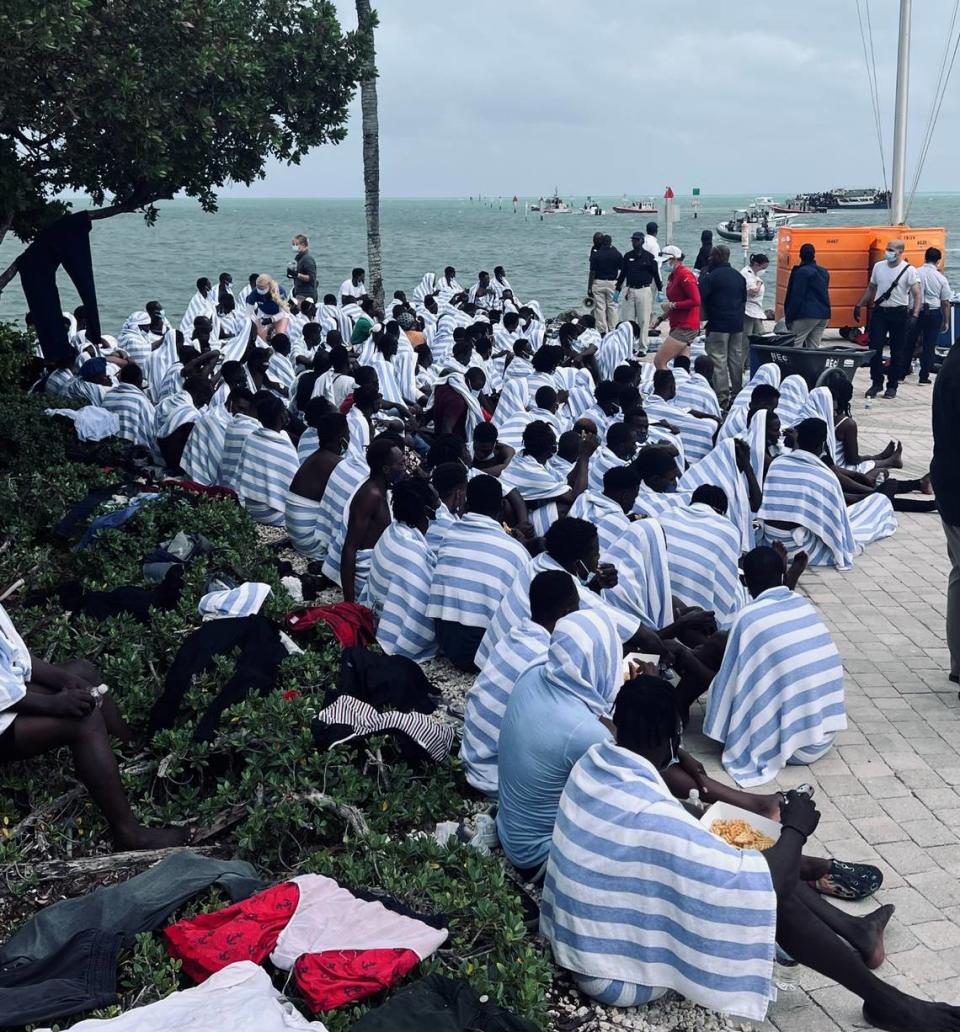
(333, 438)
(369, 510)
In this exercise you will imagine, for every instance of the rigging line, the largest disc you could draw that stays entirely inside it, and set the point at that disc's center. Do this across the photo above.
(876, 89)
(940, 91)
(935, 117)
(874, 100)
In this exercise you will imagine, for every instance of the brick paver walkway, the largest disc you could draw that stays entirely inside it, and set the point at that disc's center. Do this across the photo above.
(890, 792)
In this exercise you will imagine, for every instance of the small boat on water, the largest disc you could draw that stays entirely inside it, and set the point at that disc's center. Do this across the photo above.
(590, 207)
(646, 207)
(554, 205)
(761, 225)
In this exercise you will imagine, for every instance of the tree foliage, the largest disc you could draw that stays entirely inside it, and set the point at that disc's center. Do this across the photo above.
(138, 100)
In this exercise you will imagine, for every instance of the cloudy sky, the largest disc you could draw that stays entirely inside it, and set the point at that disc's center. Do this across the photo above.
(744, 96)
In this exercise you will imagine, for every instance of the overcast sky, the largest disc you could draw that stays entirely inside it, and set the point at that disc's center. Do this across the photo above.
(748, 96)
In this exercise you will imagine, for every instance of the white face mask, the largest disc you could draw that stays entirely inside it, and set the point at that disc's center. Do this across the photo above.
(295, 249)
(263, 291)
(891, 256)
(586, 576)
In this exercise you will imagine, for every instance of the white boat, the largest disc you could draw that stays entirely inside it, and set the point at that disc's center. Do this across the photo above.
(554, 205)
(589, 208)
(760, 225)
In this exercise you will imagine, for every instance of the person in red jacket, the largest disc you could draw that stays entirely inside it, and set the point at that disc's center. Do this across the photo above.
(681, 309)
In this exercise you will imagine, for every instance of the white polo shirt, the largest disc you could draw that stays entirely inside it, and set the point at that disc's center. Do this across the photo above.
(883, 276)
(936, 288)
(347, 289)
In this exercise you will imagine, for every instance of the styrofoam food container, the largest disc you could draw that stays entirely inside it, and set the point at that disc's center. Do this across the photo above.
(729, 812)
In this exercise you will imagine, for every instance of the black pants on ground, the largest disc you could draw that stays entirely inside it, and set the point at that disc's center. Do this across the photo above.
(888, 326)
(894, 489)
(459, 644)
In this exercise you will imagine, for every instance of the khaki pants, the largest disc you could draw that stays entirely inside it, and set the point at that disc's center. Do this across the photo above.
(604, 307)
(808, 331)
(728, 353)
(953, 595)
(636, 304)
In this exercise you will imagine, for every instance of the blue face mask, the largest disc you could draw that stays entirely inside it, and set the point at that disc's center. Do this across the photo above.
(668, 267)
(891, 256)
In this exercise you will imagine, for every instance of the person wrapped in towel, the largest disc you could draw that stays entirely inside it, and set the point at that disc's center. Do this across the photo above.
(449, 480)
(803, 506)
(620, 450)
(307, 489)
(477, 562)
(657, 466)
(610, 510)
(203, 451)
(490, 454)
(365, 516)
(175, 418)
(397, 589)
(545, 405)
(268, 464)
(242, 408)
(703, 553)
(546, 493)
(640, 899)
(696, 391)
(135, 411)
(553, 595)
(697, 429)
(778, 696)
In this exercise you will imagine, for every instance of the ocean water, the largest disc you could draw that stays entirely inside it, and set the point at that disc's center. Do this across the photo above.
(544, 259)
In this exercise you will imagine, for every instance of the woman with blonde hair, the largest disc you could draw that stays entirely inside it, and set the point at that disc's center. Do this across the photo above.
(267, 305)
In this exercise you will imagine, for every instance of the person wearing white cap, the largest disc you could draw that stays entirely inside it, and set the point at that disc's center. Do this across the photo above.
(681, 309)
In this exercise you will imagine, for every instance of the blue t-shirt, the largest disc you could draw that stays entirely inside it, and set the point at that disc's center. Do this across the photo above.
(545, 731)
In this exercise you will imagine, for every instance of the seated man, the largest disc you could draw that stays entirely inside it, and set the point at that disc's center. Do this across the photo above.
(240, 405)
(697, 429)
(268, 464)
(553, 595)
(308, 486)
(135, 411)
(449, 480)
(657, 466)
(803, 506)
(490, 454)
(45, 706)
(314, 411)
(762, 396)
(696, 391)
(365, 517)
(778, 696)
(703, 552)
(176, 416)
(640, 899)
(610, 510)
(544, 408)
(546, 494)
(477, 561)
(401, 568)
(620, 449)
(552, 717)
(203, 451)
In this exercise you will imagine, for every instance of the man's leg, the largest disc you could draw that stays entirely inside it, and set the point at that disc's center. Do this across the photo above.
(600, 299)
(803, 933)
(96, 767)
(628, 305)
(800, 328)
(613, 309)
(899, 359)
(716, 347)
(644, 308)
(816, 333)
(736, 361)
(878, 338)
(930, 322)
(953, 596)
(117, 727)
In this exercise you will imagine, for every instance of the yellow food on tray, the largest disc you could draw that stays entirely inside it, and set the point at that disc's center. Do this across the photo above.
(741, 834)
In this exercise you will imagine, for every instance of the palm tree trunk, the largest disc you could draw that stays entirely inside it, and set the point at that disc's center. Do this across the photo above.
(371, 160)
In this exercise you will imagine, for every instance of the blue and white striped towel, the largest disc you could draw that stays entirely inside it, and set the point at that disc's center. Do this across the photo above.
(643, 575)
(268, 464)
(778, 696)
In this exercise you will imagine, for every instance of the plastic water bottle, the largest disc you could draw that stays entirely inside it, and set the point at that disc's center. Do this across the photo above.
(693, 800)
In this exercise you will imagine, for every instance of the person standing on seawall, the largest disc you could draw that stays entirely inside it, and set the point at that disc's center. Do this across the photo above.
(806, 305)
(895, 293)
(605, 263)
(303, 271)
(639, 270)
(945, 476)
(723, 297)
(754, 313)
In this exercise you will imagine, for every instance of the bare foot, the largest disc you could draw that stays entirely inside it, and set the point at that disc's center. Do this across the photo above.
(908, 1014)
(925, 485)
(870, 945)
(895, 460)
(888, 451)
(139, 837)
(795, 569)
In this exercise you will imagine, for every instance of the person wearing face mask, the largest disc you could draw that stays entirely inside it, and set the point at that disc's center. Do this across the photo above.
(896, 295)
(806, 305)
(401, 567)
(308, 486)
(449, 480)
(681, 309)
(754, 313)
(619, 450)
(303, 272)
(610, 510)
(365, 517)
(268, 306)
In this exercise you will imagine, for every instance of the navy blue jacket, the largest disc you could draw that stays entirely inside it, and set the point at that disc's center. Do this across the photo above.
(723, 297)
(808, 293)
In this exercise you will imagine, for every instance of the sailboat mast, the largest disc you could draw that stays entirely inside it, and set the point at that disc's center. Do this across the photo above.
(900, 116)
